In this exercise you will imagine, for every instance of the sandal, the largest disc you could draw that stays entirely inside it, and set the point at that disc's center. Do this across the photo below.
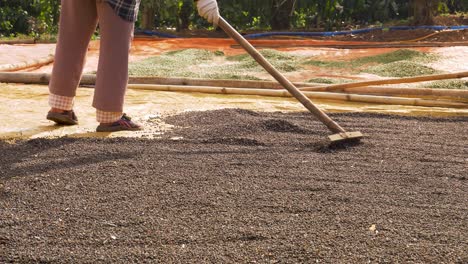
(67, 118)
(124, 123)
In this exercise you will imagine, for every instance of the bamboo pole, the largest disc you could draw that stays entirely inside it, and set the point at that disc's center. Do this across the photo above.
(27, 64)
(43, 78)
(25, 77)
(26, 41)
(338, 87)
(312, 95)
(400, 91)
(90, 79)
(17, 41)
(209, 82)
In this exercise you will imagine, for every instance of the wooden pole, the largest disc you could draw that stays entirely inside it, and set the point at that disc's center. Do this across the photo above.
(211, 82)
(90, 79)
(17, 41)
(338, 87)
(313, 95)
(42, 78)
(27, 64)
(400, 91)
(324, 118)
(24, 77)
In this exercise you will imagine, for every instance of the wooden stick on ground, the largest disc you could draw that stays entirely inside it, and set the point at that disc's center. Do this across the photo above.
(27, 64)
(90, 79)
(400, 91)
(313, 95)
(338, 87)
(17, 41)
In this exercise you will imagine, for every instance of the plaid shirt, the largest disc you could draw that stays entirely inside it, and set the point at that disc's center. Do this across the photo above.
(126, 9)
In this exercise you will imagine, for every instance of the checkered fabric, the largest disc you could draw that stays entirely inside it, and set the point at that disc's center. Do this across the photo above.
(107, 117)
(61, 102)
(126, 9)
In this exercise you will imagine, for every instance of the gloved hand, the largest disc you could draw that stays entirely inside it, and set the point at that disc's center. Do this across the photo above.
(209, 10)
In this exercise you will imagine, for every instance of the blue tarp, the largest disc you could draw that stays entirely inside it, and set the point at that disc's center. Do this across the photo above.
(155, 33)
(348, 32)
(318, 34)
(312, 34)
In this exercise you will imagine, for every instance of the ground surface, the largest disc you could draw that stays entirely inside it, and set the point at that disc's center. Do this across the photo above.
(451, 59)
(423, 35)
(240, 186)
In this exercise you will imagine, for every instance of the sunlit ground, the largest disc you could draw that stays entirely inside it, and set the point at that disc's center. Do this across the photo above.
(24, 108)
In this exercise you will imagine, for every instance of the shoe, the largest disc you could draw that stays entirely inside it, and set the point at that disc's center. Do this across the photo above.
(67, 118)
(124, 123)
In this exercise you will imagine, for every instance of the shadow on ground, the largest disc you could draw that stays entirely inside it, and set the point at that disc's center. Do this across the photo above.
(239, 186)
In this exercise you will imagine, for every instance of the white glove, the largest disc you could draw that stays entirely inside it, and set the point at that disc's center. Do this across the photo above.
(209, 10)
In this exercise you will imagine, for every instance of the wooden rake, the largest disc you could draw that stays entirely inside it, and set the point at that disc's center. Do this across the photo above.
(340, 135)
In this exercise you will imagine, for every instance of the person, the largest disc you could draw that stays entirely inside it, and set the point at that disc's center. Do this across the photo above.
(78, 21)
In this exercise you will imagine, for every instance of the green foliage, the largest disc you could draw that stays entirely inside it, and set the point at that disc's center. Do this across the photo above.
(398, 55)
(455, 6)
(327, 64)
(218, 53)
(207, 64)
(328, 80)
(449, 84)
(365, 62)
(198, 63)
(193, 63)
(269, 54)
(171, 63)
(36, 17)
(282, 61)
(401, 69)
(254, 14)
(28, 17)
(399, 63)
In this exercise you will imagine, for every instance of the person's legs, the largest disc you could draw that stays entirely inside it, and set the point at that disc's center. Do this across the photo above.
(78, 21)
(112, 73)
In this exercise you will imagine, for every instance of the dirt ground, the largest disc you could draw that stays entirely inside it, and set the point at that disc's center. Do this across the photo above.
(451, 58)
(236, 186)
(147, 47)
(374, 36)
(424, 35)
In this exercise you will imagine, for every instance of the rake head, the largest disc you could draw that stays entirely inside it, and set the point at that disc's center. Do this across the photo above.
(346, 137)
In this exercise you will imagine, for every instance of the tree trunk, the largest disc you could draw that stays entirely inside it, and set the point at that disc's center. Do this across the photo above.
(282, 12)
(184, 15)
(56, 12)
(423, 11)
(147, 20)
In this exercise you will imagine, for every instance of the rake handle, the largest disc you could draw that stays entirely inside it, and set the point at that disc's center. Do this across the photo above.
(324, 118)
